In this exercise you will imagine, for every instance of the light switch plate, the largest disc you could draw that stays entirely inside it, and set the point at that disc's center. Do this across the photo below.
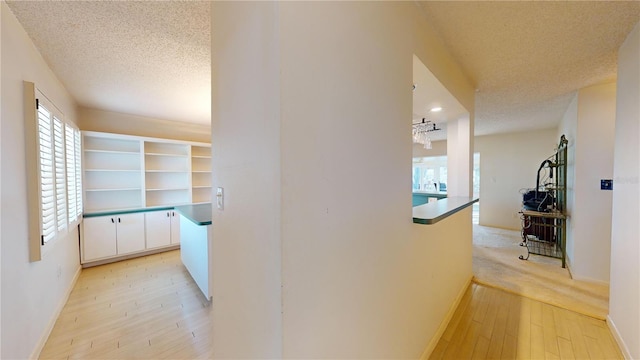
(220, 198)
(606, 184)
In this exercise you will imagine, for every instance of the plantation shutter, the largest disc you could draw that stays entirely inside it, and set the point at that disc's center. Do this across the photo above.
(61, 181)
(47, 189)
(72, 186)
(78, 160)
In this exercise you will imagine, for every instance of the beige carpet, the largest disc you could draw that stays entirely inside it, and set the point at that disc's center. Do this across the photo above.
(496, 263)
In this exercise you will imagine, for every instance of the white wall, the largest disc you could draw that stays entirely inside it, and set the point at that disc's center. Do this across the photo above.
(591, 215)
(31, 292)
(624, 312)
(324, 124)
(119, 123)
(245, 112)
(568, 127)
(509, 164)
(589, 124)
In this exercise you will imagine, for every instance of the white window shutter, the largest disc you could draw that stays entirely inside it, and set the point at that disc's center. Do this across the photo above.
(47, 186)
(78, 161)
(61, 181)
(72, 188)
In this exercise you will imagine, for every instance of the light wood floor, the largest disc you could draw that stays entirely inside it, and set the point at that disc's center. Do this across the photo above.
(144, 308)
(150, 308)
(494, 324)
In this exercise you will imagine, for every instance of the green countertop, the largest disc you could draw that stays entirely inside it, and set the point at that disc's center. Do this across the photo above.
(126, 211)
(431, 213)
(199, 214)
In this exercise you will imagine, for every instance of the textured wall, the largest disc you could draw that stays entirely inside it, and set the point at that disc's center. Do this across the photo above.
(625, 248)
(25, 316)
(119, 123)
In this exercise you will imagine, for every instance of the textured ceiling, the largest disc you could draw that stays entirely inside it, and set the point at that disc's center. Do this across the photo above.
(152, 58)
(148, 58)
(527, 58)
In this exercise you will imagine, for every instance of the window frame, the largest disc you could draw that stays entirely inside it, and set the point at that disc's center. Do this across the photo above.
(46, 141)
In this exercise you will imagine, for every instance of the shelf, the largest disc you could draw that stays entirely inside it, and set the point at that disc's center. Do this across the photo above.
(120, 189)
(167, 171)
(115, 170)
(167, 189)
(125, 171)
(98, 151)
(165, 154)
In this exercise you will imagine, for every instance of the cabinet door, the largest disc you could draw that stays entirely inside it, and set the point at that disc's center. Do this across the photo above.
(130, 233)
(158, 227)
(98, 238)
(175, 227)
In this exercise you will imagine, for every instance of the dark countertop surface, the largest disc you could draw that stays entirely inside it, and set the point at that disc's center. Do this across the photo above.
(199, 214)
(431, 213)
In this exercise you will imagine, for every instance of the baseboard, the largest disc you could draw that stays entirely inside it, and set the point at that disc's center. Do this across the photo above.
(616, 335)
(52, 322)
(445, 322)
(131, 256)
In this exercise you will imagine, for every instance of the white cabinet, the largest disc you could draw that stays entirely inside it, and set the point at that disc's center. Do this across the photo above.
(163, 228)
(130, 233)
(108, 236)
(99, 238)
(175, 228)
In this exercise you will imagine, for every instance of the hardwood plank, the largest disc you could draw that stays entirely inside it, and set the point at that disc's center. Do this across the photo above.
(499, 327)
(561, 324)
(524, 330)
(537, 342)
(577, 340)
(509, 347)
(549, 327)
(566, 348)
(481, 348)
(465, 350)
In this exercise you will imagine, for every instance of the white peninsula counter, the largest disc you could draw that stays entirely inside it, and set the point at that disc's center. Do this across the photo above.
(195, 244)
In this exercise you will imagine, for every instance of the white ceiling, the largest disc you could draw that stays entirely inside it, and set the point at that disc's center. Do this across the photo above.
(527, 58)
(153, 58)
(148, 58)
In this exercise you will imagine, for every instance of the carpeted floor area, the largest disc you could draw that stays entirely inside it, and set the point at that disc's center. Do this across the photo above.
(496, 263)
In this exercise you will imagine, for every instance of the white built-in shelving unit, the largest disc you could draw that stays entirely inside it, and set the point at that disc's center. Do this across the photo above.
(201, 173)
(126, 172)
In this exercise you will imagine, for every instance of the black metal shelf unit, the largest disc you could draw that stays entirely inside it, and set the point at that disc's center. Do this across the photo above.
(544, 223)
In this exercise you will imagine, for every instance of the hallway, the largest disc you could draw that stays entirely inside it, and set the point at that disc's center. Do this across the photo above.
(493, 324)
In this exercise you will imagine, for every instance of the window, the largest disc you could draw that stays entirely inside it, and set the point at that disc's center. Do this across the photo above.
(74, 177)
(60, 181)
(47, 187)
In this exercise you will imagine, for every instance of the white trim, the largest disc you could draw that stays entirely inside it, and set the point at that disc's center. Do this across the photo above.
(445, 322)
(52, 322)
(142, 138)
(616, 335)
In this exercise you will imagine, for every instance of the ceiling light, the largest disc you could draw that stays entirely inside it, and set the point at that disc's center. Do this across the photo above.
(436, 109)
(420, 131)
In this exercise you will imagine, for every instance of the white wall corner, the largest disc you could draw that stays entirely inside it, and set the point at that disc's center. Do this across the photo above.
(35, 354)
(616, 335)
(445, 322)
